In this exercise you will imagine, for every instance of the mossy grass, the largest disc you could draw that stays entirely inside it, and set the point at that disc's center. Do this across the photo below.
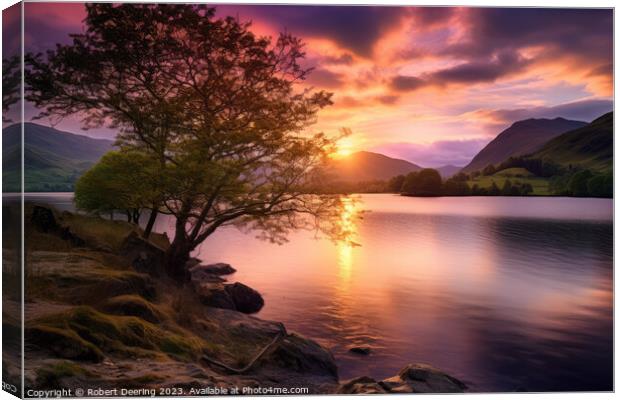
(123, 335)
(51, 375)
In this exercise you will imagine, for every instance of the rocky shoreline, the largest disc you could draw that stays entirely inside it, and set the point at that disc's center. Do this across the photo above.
(101, 313)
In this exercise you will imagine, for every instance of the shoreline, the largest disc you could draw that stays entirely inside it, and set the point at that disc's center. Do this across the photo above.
(75, 336)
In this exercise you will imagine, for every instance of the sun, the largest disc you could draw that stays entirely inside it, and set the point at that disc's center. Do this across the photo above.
(344, 148)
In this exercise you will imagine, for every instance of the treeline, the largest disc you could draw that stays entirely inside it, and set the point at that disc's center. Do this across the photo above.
(571, 180)
(428, 182)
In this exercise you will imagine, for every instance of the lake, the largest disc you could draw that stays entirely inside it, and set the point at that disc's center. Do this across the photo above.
(506, 294)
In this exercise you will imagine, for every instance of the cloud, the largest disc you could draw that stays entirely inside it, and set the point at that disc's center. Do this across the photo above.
(352, 27)
(501, 64)
(325, 79)
(436, 154)
(403, 83)
(585, 110)
(583, 32)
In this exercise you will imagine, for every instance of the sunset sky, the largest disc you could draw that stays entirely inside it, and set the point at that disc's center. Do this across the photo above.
(430, 85)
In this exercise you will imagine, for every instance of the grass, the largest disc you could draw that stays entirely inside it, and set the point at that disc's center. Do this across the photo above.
(514, 173)
(50, 375)
(540, 186)
(121, 335)
(98, 231)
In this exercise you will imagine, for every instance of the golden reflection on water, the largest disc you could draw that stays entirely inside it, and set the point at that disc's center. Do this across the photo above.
(345, 245)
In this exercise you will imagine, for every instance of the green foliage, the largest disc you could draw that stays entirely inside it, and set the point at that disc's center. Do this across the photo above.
(426, 182)
(578, 183)
(489, 170)
(395, 184)
(601, 185)
(121, 181)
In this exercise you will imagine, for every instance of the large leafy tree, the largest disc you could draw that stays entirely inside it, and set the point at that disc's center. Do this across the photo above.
(219, 108)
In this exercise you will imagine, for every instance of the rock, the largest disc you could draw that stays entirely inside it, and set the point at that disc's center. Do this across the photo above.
(304, 356)
(214, 295)
(143, 255)
(43, 219)
(199, 276)
(423, 378)
(237, 296)
(361, 385)
(215, 269)
(246, 299)
(363, 350)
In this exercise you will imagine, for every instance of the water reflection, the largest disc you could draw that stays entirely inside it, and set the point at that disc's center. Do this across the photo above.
(507, 294)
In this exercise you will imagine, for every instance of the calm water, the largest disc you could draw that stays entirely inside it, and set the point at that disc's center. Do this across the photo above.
(505, 293)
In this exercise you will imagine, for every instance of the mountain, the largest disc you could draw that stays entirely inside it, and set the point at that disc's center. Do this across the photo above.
(364, 166)
(591, 146)
(522, 137)
(448, 171)
(53, 159)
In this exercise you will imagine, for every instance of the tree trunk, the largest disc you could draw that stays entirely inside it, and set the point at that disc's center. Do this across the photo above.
(150, 224)
(128, 216)
(176, 257)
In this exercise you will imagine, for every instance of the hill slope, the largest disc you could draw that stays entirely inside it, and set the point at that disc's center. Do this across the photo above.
(365, 166)
(591, 146)
(53, 159)
(522, 137)
(448, 171)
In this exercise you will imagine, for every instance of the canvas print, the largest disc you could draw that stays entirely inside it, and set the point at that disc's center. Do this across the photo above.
(298, 199)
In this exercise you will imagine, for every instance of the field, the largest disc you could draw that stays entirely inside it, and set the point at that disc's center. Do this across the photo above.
(516, 176)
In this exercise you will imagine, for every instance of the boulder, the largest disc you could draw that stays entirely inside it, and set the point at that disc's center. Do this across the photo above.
(237, 296)
(214, 269)
(214, 295)
(297, 354)
(361, 385)
(423, 378)
(143, 255)
(198, 276)
(246, 299)
(363, 350)
(43, 219)
(413, 378)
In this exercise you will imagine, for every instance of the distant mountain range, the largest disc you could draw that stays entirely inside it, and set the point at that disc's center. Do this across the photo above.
(365, 166)
(522, 137)
(53, 159)
(591, 146)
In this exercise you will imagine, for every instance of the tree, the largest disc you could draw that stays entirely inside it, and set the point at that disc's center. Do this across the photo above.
(11, 84)
(456, 187)
(494, 190)
(121, 181)
(578, 183)
(395, 184)
(410, 182)
(601, 185)
(489, 170)
(219, 108)
(426, 182)
(429, 182)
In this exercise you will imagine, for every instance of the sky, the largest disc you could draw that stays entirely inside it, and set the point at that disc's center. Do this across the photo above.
(432, 85)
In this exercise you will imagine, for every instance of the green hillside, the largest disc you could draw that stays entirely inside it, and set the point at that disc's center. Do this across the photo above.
(53, 159)
(591, 146)
(521, 138)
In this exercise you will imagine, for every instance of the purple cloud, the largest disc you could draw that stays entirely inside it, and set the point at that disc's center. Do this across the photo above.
(436, 154)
